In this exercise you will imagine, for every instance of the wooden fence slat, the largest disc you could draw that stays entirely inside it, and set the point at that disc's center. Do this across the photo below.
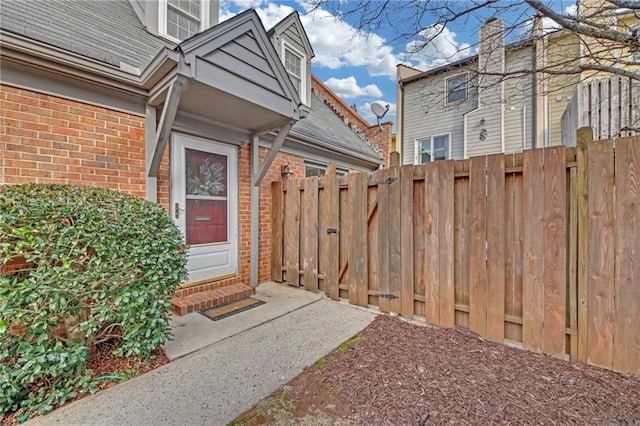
(277, 222)
(514, 222)
(495, 247)
(383, 240)
(343, 251)
(406, 240)
(627, 281)
(445, 244)
(419, 223)
(292, 233)
(555, 251)
(573, 262)
(431, 284)
(310, 241)
(461, 236)
(584, 137)
(533, 241)
(373, 237)
(601, 255)
(477, 246)
(394, 246)
(358, 275)
(330, 260)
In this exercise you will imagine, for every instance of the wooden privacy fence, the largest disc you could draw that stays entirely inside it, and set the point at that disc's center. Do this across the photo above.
(539, 249)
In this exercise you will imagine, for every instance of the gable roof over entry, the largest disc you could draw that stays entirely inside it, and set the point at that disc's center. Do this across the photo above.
(233, 77)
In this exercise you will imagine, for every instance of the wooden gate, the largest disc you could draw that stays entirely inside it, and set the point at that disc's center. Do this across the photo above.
(538, 249)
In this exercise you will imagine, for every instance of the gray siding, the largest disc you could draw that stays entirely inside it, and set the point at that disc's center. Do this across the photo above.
(293, 37)
(519, 102)
(244, 57)
(426, 113)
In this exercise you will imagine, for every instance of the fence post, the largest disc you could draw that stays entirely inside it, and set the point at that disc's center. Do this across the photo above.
(584, 138)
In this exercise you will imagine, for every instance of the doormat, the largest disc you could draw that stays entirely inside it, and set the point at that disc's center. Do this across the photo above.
(223, 311)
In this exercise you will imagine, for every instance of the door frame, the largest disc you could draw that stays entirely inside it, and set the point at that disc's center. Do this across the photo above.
(177, 191)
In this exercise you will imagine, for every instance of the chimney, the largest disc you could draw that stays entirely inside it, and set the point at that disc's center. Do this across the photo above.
(491, 55)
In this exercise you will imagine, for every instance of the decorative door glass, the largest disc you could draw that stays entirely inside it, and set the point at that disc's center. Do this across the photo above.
(207, 210)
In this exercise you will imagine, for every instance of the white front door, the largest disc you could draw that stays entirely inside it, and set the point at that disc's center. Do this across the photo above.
(204, 204)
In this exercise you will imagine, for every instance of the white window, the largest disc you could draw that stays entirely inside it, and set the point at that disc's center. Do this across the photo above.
(433, 148)
(457, 88)
(180, 19)
(294, 63)
(315, 169)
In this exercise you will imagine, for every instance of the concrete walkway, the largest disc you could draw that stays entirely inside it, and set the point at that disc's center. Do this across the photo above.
(221, 368)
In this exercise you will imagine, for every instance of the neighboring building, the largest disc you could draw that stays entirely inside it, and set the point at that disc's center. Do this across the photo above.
(158, 100)
(468, 107)
(531, 94)
(606, 101)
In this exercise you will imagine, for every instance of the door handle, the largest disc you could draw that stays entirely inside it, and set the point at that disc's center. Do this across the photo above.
(177, 211)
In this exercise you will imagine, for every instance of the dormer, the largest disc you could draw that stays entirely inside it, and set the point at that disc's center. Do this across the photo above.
(176, 20)
(292, 44)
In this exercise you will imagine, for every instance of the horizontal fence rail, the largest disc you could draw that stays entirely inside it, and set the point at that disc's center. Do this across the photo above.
(538, 249)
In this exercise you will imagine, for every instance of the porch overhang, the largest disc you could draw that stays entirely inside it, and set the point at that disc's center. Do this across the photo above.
(232, 102)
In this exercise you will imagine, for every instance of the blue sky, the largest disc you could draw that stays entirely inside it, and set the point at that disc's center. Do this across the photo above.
(362, 68)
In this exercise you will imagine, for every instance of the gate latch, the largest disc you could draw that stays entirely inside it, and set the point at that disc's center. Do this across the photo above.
(332, 230)
(387, 296)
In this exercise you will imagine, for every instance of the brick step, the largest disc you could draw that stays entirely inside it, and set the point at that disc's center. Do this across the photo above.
(183, 304)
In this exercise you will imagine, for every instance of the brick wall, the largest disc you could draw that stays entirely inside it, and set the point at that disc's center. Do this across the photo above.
(46, 139)
(381, 139)
(266, 207)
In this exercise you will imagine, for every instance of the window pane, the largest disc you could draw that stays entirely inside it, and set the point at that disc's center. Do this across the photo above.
(457, 88)
(183, 18)
(424, 150)
(313, 171)
(296, 82)
(293, 63)
(440, 147)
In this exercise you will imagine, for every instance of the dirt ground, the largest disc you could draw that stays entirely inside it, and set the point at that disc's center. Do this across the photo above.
(397, 373)
(103, 364)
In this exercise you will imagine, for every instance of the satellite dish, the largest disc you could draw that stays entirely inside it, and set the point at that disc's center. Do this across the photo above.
(380, 110)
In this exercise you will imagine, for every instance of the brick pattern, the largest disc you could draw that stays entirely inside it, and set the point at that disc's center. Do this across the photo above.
(46, 139)
(209, 298)
(380, 138)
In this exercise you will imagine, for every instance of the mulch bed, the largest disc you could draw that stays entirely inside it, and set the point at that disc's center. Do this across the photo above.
(104, 363)
(406, 374)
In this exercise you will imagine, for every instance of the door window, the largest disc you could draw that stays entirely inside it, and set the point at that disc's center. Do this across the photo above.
(206, 194)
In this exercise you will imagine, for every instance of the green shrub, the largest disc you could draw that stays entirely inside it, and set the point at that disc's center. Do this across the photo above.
(96, 265)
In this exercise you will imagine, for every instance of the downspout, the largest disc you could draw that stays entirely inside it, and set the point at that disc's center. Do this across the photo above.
(257, 174)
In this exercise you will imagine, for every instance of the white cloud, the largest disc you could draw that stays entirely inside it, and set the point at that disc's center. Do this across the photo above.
(246, 4)
(365, 111)
(436, 46)
(571, 10)
(348, 88)
(336, 44)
